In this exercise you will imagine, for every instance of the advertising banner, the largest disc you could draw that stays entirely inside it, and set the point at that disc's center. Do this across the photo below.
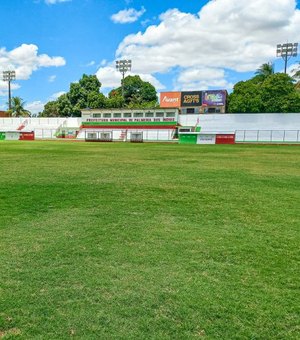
(225, 139)
(214, 98)
(170, 99)
(191, 98)
(206, 139)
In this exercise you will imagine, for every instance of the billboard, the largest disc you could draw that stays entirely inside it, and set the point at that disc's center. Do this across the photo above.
(191, 98)
(170, 99)
(214, 98)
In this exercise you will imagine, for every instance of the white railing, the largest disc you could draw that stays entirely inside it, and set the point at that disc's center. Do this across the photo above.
(45, 133)
(148, 135)
(267, 136)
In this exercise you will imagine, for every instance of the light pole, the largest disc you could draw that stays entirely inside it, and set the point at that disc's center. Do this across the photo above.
(9, 76)
(123, 66)
(286, 51)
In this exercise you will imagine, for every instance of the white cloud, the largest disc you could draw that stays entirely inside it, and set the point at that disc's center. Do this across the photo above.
(196, 78)
(34, 107)
(38, 106)
(91, 63)
(4, 88)
(126, 16)
(56, 95)
(25, 59)
(51, 79)
(292, 69)
(232, 35)
(53, 2)
(110, 77)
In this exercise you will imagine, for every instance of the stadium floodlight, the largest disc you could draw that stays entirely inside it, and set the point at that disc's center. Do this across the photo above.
(123, 66)
(287, 51)
(9, 76)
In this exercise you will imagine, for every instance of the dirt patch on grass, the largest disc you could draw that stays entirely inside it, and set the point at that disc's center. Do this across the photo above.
(12, 331)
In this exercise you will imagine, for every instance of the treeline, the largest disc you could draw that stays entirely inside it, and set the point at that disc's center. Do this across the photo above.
(87, 94)
(266, 92)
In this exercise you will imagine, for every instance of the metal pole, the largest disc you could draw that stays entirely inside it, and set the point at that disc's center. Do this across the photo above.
(9, 95)
(123, 77)
(9, 76)
(285, 62)
(123, 66)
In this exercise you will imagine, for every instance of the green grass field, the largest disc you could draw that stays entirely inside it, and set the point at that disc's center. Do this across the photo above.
(149, 241)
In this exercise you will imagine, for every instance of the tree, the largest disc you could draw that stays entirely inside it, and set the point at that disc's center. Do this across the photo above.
(296, 72)
(96, 100)
(115, 99)
(17, 108)
(137, 92)
(273, 93)
(64, 106)
(85, 93)
(296, 77)
(90, 83)
(279, 94)
(265, 70)
(246, 97)
(50, 109)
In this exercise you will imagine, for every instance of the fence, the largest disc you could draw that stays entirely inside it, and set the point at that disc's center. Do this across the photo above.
(267, 136)
(45, 133)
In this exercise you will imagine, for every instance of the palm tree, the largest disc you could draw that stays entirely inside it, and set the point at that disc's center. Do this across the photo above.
(265, 70)
(296, 77)
(17, 108)
(296, 72)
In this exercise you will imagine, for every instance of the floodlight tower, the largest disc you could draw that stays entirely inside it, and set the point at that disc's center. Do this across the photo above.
(286, 51)
(123, 66)
(9, 76)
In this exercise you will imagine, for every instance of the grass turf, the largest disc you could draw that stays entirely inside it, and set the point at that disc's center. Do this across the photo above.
(140, 241)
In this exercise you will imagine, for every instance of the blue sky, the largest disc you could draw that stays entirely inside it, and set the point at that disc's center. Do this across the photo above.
(176, 45)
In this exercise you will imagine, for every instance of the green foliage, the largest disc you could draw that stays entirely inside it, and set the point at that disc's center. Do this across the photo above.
(86, 93)
(296, 77)
(115, 100)
(143, 105)
(296, 72)
(50, 109)
(267, 94)
(96, 100)
(90, 83)
(265, 70)
(64, 106)
(17, 108)
(149, 241)
(137, 93)
(245, 97)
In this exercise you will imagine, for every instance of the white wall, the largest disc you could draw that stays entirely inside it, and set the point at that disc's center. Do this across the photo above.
(232, 122)
(10, 124)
